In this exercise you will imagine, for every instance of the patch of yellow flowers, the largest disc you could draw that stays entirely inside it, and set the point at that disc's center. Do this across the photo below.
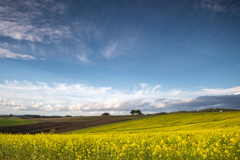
(171, 145)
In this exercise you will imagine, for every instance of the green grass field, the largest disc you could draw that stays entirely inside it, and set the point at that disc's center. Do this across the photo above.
(99, 118)
(13, 121)
(170, 123)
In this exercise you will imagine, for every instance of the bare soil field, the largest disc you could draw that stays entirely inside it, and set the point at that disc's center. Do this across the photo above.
(62, 124)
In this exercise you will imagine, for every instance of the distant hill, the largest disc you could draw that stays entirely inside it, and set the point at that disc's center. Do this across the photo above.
(218, 110)
(200, 111)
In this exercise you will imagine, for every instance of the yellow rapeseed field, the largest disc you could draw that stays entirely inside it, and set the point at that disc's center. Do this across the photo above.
(186, 145)
(197, 144)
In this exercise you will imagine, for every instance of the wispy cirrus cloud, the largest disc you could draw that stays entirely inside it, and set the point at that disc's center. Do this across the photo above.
(77, 40)
(82, 57)
(4, 53)
(231, 6)
(83, 53)
(84, 99)
(119, 47)
(29, 32)
(111, 50)
(25, 20)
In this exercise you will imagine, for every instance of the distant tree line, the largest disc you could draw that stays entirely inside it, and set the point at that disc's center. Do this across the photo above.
(133, 112)
(207, 110)
(200, 111)
(31, 116)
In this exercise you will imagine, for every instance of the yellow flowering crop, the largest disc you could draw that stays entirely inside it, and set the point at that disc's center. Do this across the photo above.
(197, 136)
(171, 145)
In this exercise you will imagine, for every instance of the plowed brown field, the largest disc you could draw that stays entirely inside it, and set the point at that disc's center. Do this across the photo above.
(47, 125)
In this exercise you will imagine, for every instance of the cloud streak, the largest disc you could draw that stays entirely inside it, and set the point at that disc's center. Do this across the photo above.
(4, 53)
(81, 39)
(110, 51)
(83, 99)
(20, 31)
(25, 20)
(119, 47)
(223, 6)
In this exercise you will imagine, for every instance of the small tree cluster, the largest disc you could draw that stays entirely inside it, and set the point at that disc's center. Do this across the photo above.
(136, 112)
(105, 114)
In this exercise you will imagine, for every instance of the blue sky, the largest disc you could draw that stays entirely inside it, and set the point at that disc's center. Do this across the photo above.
(88, 57)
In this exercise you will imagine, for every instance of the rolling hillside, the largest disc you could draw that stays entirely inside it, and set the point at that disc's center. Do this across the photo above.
(173, 136)
(59, 125)
(171, 122)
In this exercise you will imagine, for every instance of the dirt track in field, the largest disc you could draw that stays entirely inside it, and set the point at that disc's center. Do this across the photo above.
(47, 126)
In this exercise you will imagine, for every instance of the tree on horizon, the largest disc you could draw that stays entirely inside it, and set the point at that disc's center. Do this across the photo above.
(136, 112)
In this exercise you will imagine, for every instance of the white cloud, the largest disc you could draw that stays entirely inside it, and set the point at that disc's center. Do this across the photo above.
(119, 47)
(124, 45)
(80, 98)
(38, 21)
(110, 51)
(83, 54)
(82, 58)
(4, 53)
(25, 20)
(221, 91)
(20, 31)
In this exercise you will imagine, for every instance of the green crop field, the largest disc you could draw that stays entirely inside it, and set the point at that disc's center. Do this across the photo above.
(171, 122)
(173, 136)
(99, 118)
(13, 121)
